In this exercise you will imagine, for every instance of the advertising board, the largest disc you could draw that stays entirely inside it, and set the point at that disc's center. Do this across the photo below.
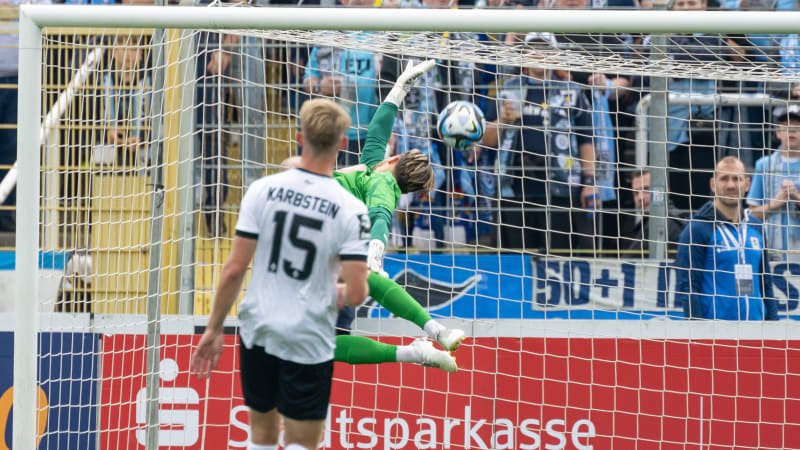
(512, 393)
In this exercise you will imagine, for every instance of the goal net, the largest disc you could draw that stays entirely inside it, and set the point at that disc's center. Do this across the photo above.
(554, 243)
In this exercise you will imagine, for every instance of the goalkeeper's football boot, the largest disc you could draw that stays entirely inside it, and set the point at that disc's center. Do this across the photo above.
(450, 338)
(429, 356)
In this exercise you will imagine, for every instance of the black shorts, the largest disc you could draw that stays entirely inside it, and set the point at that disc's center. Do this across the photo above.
(299, 391)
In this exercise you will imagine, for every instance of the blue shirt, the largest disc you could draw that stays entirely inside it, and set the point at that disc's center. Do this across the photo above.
(782, 227)
(358, 93)
(790, 54)
(710, 247)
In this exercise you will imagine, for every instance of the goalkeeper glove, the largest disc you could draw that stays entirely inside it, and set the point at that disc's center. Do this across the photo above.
(407, 79)
(375, 257)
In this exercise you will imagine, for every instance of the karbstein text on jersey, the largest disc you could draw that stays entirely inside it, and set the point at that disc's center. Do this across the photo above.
(300, 200)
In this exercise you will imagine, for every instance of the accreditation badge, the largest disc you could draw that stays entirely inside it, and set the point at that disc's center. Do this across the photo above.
(744, 279)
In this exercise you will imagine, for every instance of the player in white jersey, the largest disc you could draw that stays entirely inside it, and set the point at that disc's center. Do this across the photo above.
(305, 232)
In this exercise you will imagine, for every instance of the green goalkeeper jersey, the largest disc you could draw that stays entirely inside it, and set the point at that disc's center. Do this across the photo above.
(378, 190)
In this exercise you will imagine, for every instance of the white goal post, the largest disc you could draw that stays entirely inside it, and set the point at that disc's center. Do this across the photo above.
(33, 18)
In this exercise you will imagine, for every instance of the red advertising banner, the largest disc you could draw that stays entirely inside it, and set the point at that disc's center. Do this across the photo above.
(511, 393)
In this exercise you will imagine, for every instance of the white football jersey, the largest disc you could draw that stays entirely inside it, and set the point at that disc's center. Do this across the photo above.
(306, 224)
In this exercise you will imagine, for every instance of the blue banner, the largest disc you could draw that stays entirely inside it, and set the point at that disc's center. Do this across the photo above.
(507, 286)
(68, 389)
(47, 260)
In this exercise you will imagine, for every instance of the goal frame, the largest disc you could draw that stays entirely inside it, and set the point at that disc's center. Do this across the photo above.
(34, 17)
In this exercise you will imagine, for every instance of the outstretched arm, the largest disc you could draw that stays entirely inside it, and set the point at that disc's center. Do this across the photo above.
(380, 127)
(378, 134)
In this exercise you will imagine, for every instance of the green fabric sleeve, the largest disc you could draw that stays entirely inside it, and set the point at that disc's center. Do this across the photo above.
(381, 221)
(378, 134)
(396, 300)
(363, 350)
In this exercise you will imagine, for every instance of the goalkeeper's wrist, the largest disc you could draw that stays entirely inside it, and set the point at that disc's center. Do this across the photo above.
(375, 255)
(377, 245)
(396, 95)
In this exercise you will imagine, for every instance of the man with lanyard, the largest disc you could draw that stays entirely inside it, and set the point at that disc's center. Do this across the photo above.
(722, 265)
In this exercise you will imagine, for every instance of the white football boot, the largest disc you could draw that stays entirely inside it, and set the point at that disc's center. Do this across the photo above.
(429, 356)
(450, 338)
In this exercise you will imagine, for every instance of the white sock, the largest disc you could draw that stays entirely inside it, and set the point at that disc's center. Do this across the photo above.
(251, 446)
(406, 353)
(294, 447)
(433, 328)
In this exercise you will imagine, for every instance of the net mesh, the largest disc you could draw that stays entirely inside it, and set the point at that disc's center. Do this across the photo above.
(145, 162)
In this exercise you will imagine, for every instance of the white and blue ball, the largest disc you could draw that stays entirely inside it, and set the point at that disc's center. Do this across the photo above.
(461, 124)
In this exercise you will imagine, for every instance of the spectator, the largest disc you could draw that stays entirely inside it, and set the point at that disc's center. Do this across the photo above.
(9, 68)
(126, 107)
(213, 67)
(746, 137)
(471, 175)
(790, 60)
(348, 77)
(635, 229)
(546, 160)
(722, 264)
(774, 197)
(478, 183)
(606, 220)
(691, 128)
(248, 66)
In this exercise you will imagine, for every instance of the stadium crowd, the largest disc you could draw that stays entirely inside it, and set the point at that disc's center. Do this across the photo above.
(579, 179)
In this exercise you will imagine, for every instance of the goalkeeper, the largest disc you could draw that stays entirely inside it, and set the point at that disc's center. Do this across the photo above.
(379, 184)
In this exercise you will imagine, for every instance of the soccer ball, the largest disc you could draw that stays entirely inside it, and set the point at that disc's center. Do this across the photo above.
(461, 124)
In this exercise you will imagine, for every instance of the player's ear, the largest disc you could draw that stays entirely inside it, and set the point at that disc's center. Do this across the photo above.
(393, 159)
(343, 143)
(299, 138)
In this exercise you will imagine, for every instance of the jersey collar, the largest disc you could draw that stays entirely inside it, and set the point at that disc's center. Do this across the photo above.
(312, 173)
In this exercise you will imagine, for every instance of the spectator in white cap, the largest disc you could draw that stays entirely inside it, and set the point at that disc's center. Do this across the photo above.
(774, 196)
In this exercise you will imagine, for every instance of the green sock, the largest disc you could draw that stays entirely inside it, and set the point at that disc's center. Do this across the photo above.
(363, 350)
(396, 300)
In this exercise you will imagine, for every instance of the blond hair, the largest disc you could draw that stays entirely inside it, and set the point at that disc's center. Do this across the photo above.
(414, 172)
(323, 124)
